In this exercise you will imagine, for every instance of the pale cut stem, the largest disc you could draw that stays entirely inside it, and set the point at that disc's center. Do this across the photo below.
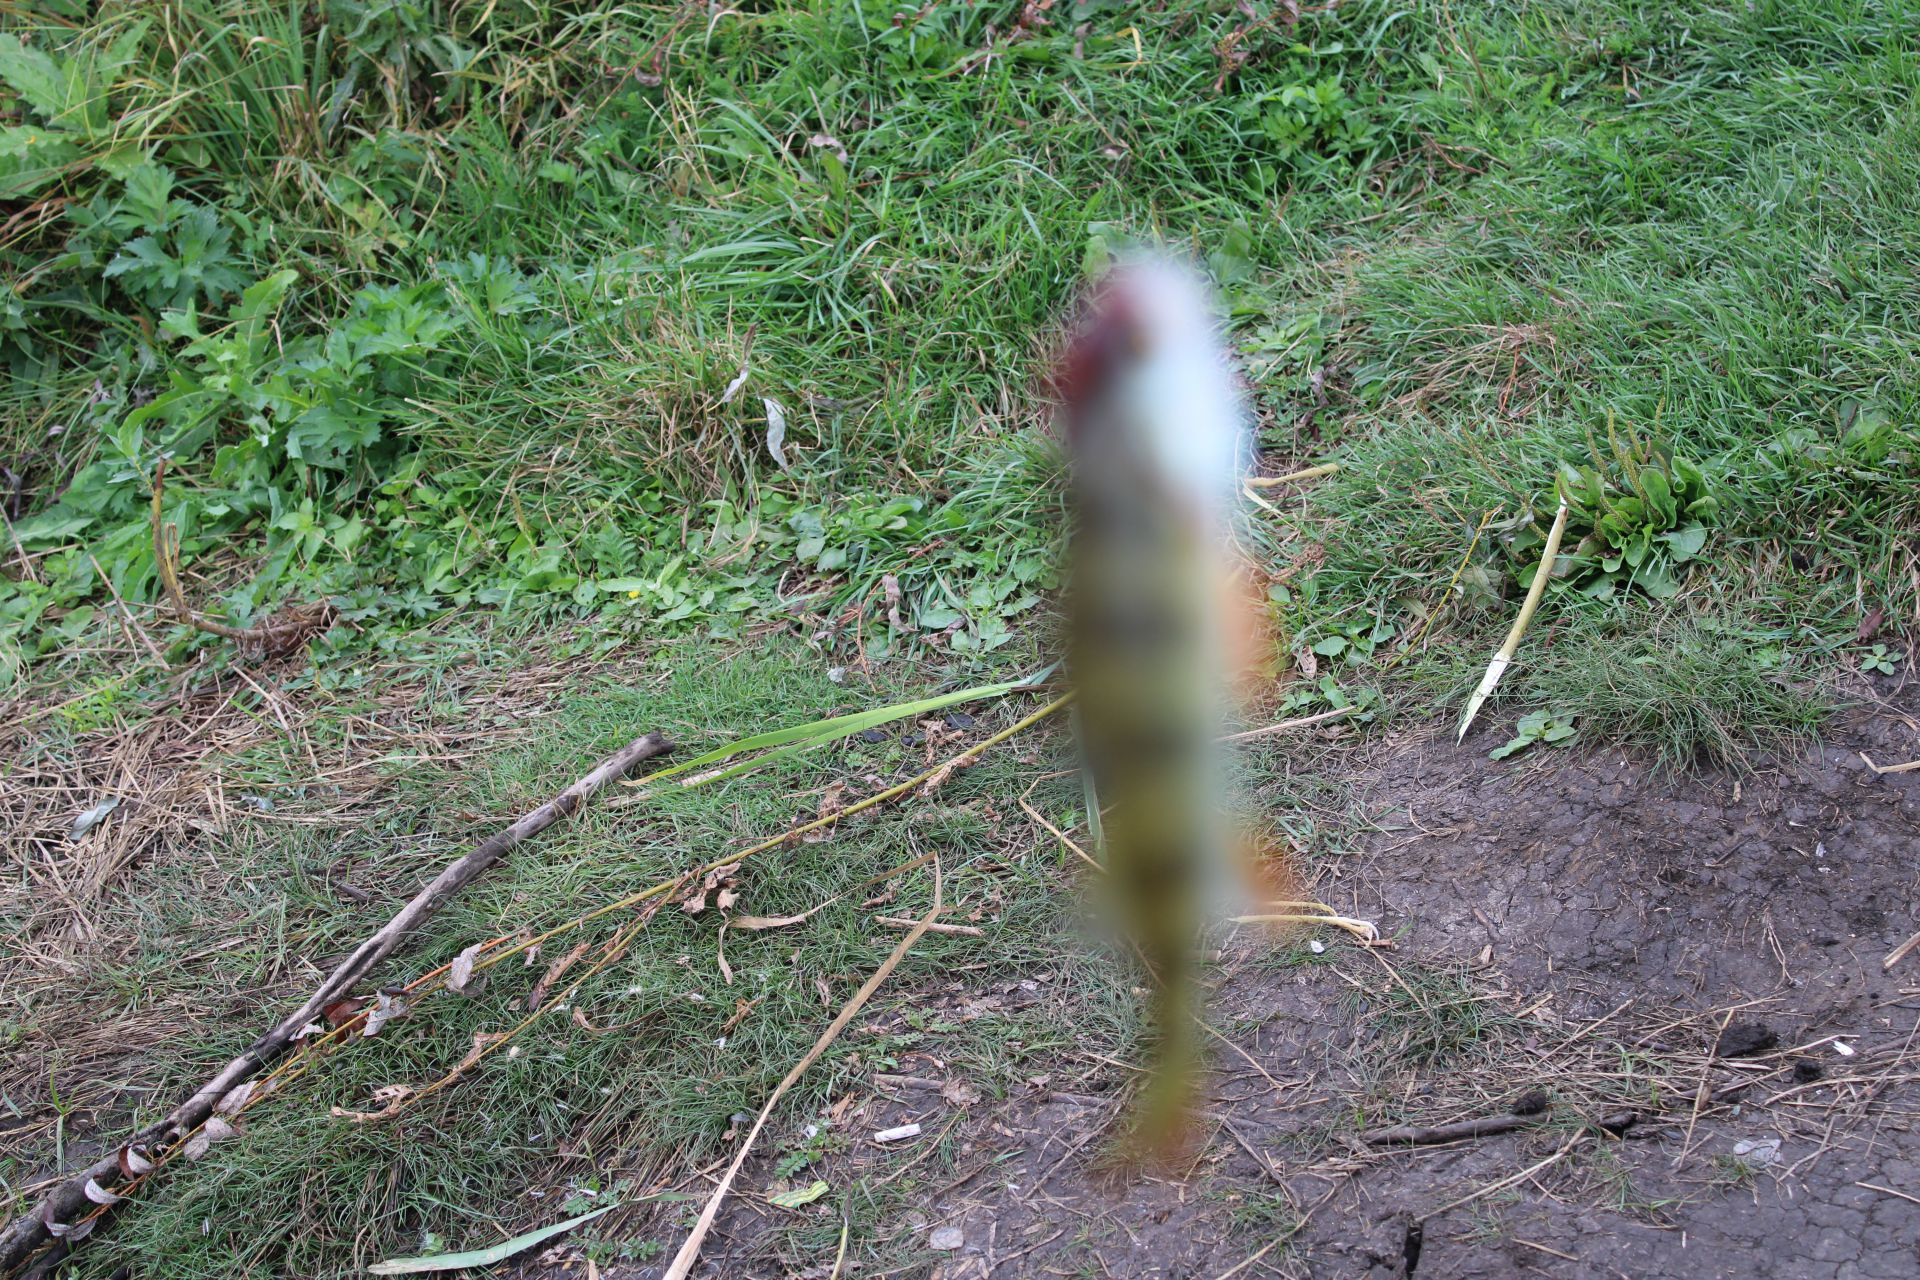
(1305, 473)
(1504, 656)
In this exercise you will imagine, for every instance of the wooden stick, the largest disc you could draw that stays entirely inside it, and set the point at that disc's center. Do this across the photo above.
(29, 1231)
(1481, 1127)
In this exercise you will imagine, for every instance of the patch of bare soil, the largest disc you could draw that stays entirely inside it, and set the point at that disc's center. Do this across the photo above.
(1665, 997)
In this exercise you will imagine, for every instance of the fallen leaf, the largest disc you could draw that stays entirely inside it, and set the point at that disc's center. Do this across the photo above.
(134, 1161)
(481, 1041)
(1870, 625)
(341, 1012)
(959, 1092)
(890, 585)
(387, 1006)
(392, 1098)
(234, 1099)
(215, 1130)
(799, 1196)
(827, 142)
(460, 979)
(733, 388)
(945, 771)
(552, 975)
(99, 1194)
(776, 431)
(755, 924)
(92, 818)
(741, 1008)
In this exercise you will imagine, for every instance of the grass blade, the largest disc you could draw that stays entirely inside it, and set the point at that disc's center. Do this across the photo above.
(481, 1257)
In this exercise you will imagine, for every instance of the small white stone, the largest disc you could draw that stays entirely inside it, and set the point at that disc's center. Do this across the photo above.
(946, 1239)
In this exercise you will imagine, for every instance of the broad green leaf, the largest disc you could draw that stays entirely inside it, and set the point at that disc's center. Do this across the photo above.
(52, 525)
(31, 157)
(1685, 543)
(1659, 494)
(35, 76)
(799, 1196)
(1656, 579)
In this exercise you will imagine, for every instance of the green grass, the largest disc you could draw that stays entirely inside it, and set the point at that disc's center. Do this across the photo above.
(433, 307)
(574, 1107)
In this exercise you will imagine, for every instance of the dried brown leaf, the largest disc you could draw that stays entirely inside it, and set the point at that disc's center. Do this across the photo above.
(215, 1130)
(387, 1006)
(757, 924)
(741, 1008)
(460, 976)
(552, 975)
(392, 1097)
(343, 1011)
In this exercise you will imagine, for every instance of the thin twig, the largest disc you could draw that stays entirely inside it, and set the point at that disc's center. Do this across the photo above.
(956, 930)
(1301, 722)
(127, 624)
(1521, 1176)
(1459, 569)
(690, 1250)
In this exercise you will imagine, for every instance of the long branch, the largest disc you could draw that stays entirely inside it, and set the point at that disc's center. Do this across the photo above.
(30, 1230)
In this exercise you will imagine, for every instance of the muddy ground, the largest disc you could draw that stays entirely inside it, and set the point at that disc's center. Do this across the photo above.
(1685, 974)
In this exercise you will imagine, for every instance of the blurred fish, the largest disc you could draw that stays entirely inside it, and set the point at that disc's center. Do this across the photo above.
(1157, 438)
